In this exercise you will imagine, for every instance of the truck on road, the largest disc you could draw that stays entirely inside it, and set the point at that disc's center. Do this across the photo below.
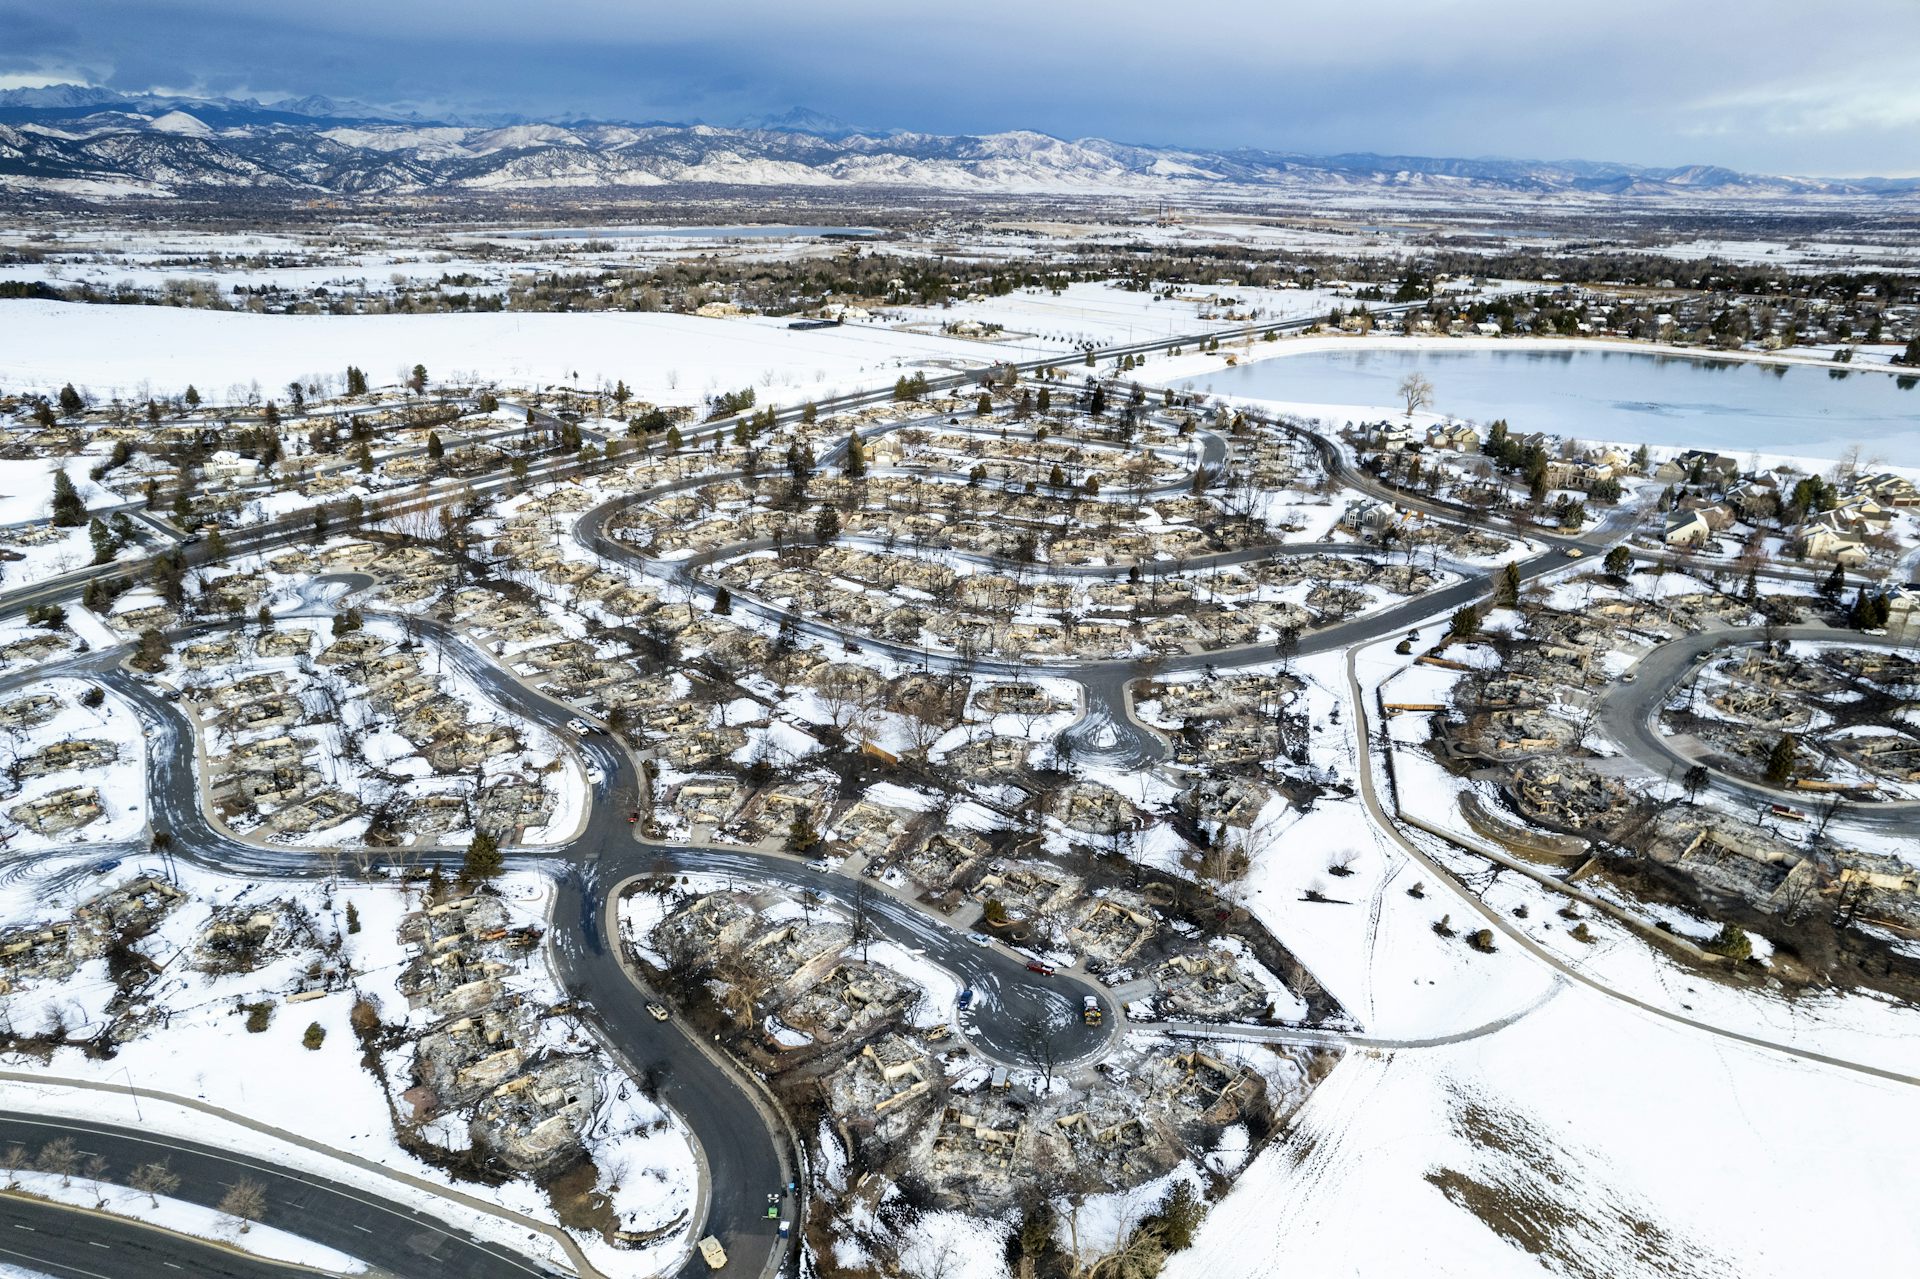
(1090, 1011)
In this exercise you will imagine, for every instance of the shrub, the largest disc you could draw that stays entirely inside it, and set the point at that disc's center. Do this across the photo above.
(315, 1036)
(1731, 941)
(259, 1016)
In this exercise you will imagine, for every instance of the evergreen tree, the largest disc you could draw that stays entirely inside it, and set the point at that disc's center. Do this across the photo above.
(856, 456)
(1509, 592)
(1178, 1217)
(356, 381)
(1834, 586)
(192, 397)
(1870, 611)
(1619, 561)
(1733, 942)
(983, 407)
(809, 413)
(103, 547)
(1098, 405)
(364, 456)
(435, 449)
(1780, 760)
(722, 600)
(70, 401)
(68, 510)
(1464, 623)
(801, 836)
(417, 380)
(483, 860)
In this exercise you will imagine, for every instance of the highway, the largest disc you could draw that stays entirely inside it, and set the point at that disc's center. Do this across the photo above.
(67, 1243)
(352, 1221)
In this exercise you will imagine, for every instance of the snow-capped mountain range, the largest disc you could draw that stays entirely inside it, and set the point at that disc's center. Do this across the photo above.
(91, 141)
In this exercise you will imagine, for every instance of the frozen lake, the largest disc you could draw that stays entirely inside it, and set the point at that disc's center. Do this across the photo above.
(1733, 406)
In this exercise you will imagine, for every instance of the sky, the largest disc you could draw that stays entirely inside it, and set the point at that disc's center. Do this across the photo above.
(1766, 86)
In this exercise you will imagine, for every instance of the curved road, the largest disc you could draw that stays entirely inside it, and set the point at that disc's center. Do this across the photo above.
(1629, 714)
(356, 1222)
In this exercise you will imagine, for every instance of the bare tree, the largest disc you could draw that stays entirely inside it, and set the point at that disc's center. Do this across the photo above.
(95, 1170)
(862, 922)
(1039, 1037)
(245, 1202)
(155, 1179)
(13, 1160)
(59, 1158)
(1416, 392)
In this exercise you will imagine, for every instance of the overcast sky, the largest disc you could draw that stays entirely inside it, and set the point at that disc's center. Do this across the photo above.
(1761, 85)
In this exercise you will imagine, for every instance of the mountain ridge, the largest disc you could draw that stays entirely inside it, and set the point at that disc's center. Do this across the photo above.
(86, 139)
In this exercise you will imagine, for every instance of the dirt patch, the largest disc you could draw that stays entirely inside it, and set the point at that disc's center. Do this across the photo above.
(578, 1204)
(1536, 1195)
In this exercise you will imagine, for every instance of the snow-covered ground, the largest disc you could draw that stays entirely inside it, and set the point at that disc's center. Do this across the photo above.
(1585, 1140)
(201, 1049)
(121, 785)
(663, 357)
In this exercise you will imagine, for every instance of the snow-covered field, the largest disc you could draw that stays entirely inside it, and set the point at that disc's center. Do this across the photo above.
(663, 357)
(1583, 1140)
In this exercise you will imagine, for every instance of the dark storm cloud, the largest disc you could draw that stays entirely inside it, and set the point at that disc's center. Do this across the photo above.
(1763, 84)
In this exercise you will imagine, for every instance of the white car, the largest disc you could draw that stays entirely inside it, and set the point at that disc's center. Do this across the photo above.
(580, 726)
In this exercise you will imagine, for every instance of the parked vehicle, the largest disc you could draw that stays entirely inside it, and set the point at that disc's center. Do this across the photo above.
(657, 1012)
(1035, 966)
(966, 999)
(580, 726)
(712, 1253)
(1090, 1011)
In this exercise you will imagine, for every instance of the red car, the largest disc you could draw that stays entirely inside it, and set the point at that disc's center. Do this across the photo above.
(1035, 966)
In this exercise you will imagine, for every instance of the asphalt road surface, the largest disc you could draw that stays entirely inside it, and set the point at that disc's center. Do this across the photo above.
(357, 1222)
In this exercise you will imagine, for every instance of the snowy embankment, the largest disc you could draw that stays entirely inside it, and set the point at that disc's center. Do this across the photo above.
(664, 358)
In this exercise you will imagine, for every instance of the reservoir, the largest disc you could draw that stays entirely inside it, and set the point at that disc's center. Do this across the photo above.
(1732, 406)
